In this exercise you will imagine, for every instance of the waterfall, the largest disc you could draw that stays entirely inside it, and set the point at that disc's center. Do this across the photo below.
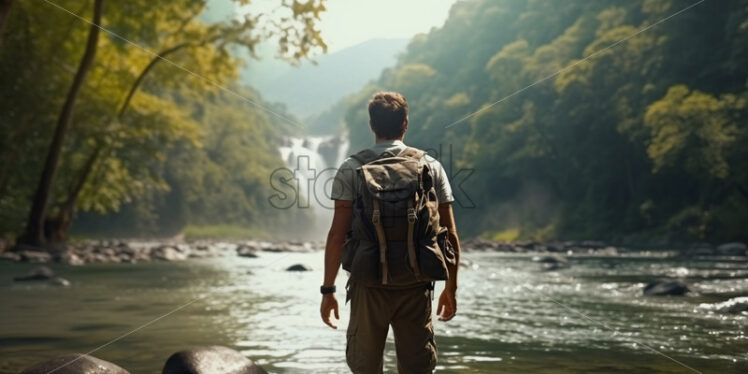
(314, 161)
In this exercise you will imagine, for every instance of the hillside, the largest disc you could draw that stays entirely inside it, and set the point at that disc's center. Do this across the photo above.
(646, 139)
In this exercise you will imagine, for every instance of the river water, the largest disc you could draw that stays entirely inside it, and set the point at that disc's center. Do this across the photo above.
(512, 318)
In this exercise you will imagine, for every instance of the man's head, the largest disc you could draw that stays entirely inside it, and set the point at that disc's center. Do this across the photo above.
(388, 115)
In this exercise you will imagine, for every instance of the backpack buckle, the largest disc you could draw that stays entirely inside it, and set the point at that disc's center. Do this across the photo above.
(411, 215)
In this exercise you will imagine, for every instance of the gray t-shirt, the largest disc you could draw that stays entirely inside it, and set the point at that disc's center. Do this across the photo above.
(343, 185)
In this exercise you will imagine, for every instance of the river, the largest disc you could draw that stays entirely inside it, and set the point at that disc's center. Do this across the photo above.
(512, 318)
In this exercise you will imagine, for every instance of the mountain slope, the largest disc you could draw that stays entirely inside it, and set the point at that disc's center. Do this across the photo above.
(310, 89)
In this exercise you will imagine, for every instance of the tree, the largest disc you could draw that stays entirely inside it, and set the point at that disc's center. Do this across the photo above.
(34, 233)
(182, 40)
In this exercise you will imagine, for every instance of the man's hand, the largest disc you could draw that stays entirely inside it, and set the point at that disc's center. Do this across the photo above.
(329, 304)
(447, 305)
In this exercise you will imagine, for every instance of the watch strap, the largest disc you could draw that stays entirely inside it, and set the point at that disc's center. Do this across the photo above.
(327, 290)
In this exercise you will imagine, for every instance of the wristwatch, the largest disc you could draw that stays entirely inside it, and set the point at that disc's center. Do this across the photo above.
(326, 290)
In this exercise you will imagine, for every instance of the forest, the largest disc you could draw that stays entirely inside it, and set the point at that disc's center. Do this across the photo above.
(155, 135)
(644, 141)
(569, 120)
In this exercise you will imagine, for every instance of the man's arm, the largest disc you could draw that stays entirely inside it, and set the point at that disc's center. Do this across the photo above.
(448, 300)
(341, 224)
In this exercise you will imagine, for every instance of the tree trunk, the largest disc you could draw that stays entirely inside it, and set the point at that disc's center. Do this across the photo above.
(34, 234)
(5, 6)
(58, 227)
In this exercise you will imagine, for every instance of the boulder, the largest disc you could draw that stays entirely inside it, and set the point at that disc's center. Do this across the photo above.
(245, 250)
(168, 253)
(75, 364)
(299, 267)
(10, 256)
(552, 262)
(665, 288)
(36, 274)
(70, 258)
(210, 360)
(732, 249)
(35, 256)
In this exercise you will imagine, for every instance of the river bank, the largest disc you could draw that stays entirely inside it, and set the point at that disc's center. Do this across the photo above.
(135, 250)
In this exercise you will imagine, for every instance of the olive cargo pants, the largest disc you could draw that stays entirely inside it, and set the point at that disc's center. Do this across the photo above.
(373, 310)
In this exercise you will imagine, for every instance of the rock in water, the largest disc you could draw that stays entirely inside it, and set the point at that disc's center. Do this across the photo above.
(245, 250)
(37, 273)
(210, 360)
(75, 364)
(665, 288)
(552, 262)
(299, 267)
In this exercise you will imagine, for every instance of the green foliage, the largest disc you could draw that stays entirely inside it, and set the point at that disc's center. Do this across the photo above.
(153, 146)
(580, 135)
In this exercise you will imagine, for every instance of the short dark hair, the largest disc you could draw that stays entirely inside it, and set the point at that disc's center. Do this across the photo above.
(387, 113)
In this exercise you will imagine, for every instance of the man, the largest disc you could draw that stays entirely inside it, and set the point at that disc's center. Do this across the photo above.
(374, 309)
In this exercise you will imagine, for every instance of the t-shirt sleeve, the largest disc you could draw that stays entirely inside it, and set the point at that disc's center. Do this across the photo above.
(441, 182)
(342, 185)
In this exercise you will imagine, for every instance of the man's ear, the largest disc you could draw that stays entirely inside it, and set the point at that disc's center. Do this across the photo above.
(405, 126)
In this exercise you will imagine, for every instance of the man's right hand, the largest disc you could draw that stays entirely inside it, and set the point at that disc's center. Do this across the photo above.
(329, 304)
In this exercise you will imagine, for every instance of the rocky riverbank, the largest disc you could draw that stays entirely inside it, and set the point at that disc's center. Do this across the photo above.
(599, 248)
(134, 251)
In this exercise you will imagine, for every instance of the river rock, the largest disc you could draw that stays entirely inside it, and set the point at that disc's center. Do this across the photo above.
(75, 364)
(70, 258)
(35, 256)
(299, 267)
(36, 274)
(732, 249)
(10, 256)
(552, 262)
(246, 250)
(168, 253)
(210, 360)
(665, 288)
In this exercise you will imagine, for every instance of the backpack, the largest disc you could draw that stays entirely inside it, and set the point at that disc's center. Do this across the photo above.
(395, 238)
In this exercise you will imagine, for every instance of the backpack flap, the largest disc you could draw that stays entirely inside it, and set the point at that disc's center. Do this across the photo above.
(391, 178)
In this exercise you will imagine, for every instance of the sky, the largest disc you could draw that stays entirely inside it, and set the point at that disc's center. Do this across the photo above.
(344, 24)
(350, 22)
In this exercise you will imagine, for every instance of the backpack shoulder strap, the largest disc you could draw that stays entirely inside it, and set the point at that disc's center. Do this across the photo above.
(411, 152)
(365, 156)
